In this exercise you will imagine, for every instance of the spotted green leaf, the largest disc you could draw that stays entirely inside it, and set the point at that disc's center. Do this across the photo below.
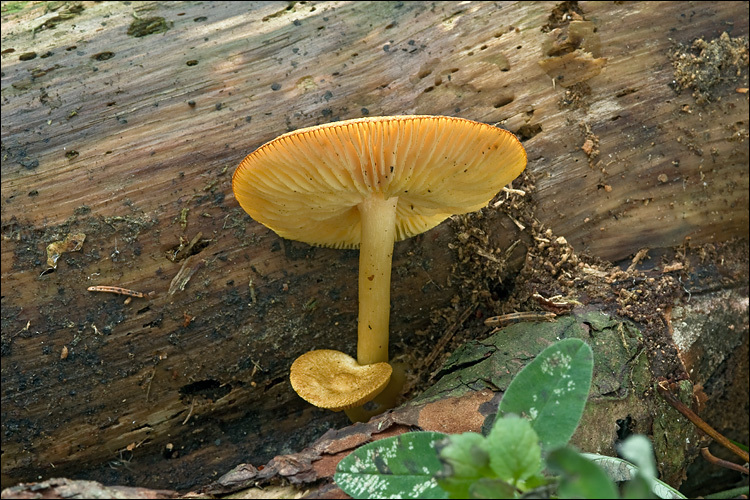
(551, 391)
(402, 466)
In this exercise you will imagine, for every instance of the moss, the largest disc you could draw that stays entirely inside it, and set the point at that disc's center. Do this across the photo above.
(493, 362)
(8, 8)
(675, 439)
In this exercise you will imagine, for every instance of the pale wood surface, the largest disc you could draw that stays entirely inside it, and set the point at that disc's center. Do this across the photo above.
(667, 168)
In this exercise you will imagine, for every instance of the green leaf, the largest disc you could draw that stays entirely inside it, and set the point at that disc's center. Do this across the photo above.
(513, 447)
(638, 450)
(731, 493)
(637, 488)
(465, 461)
(490, 488)
(620, 470)
(579, 477)
(538, 481)
(552, 390)
(402, 466)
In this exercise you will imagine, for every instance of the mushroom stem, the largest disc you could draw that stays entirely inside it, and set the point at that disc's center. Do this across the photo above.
(378, 221)
(386, 400)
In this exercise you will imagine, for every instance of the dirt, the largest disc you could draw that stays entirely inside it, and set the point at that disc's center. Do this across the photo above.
(708, 67)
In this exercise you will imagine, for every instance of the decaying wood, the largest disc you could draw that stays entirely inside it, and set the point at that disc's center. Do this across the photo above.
(131, 137)
(65, 488)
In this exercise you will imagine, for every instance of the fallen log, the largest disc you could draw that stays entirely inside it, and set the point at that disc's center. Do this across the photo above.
(124, 123)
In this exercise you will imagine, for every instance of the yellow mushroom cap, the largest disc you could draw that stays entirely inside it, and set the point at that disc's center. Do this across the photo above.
(306, 185)
(334, 380)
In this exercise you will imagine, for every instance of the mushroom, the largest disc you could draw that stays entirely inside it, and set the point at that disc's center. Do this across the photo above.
(368, 183)
(334, 380)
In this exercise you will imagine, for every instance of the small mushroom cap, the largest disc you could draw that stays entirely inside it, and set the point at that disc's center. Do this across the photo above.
(334, 380)
(306, 185)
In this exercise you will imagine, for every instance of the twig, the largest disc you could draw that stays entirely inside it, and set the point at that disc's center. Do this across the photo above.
(183, 251)
(507, 319)
(118, 290)
(487, 255)
(723, 463)
(24, 329)
(695, 419)
(520, 226)
(552, 306)
(519, 192)
(181, 279)
(192, 405)
(429, 279)
(510, 249)
(642, 253)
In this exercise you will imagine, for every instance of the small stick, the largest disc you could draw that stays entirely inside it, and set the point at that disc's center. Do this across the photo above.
(642, 253)
(723, 463)
(181, 279)
(514, 191)
(487, 255)
(695, 419)
(118, 290)
(507, 319)
(192, 405)
(24, 329)
(551, 305)
(520, 226)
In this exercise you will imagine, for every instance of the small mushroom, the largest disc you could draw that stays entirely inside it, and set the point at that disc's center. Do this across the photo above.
(334, 380)
(369, 182)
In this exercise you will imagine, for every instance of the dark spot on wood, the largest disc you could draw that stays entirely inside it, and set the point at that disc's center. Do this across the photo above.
(504, 101)
(147, 26)
(209, 389)
(625, 92)
(528, 131)
(103, 56)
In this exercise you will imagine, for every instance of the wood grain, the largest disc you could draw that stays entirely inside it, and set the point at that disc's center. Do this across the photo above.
(136, 149)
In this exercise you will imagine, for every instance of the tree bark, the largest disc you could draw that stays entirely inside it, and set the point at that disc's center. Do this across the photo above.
(124, 123)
